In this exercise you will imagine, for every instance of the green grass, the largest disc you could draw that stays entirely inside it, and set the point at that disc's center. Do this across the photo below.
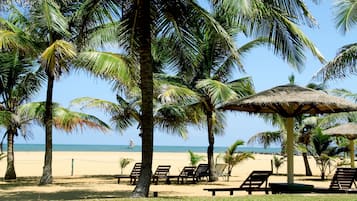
(285, 197)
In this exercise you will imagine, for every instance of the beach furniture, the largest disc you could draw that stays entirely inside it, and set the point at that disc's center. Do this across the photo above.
(186, 172)
(134, 174)
(198, 173)
(253, 182)
(201, 171)
(341, 182)
(161, 172)
(220, 170)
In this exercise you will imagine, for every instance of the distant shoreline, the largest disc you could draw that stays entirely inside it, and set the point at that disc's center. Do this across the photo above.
(137, 148)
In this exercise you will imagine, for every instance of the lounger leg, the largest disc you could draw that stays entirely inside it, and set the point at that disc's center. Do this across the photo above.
(118, 180)
(230, 192)
(213, 193)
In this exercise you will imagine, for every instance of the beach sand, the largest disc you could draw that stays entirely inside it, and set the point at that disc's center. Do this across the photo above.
(90, 175)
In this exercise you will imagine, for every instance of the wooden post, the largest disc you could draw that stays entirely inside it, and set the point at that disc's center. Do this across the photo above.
(72, 169)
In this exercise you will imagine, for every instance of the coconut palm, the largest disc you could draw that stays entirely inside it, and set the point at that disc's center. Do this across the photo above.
(20, 78)
(323, 151)
(344, 62)
(212, 66)
(19, 82)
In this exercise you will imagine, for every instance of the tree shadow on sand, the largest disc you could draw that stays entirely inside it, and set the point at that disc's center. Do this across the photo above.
(69, 188)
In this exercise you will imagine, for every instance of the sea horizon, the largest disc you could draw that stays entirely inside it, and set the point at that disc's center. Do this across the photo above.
(137, 148)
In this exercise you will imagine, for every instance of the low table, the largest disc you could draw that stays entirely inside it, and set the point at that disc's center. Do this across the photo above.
(290, 188)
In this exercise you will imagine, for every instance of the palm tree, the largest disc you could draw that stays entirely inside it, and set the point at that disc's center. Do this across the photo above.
(195, 158)
(58, 25)
(344, 62)
(140, 23)
(232, 158)
(20, 79)
(278, 161)
(323, 150)
(19, 83)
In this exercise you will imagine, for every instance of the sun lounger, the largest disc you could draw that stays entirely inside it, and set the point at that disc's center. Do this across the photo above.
(341, 182)
(161, 172)
(186, 172)
(191, 173)
(252, 183)
(220, 170)
(134, 174)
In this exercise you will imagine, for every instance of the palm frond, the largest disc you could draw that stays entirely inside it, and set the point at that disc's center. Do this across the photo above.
(342, 66)
(56, 55)
(217, 91)
(107, 65)
(346, 14)
(48, 18)
(266, 138)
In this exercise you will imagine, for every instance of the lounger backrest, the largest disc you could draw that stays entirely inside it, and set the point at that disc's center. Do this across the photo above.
(202, 170)
(256, 179)
(187, 171)
(220, 167)
(162, 170)
(343, 178)
(135, 172)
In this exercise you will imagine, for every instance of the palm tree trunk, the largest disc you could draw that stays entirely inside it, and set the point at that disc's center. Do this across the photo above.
(47, 168)
(10, 170)
(307, 165)
(146, 85)
(210, 149)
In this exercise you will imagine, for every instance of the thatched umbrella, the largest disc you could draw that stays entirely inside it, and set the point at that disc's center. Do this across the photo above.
(290, 101)
(348, 130)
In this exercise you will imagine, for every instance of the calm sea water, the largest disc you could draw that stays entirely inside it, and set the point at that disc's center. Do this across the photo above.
(121, 148)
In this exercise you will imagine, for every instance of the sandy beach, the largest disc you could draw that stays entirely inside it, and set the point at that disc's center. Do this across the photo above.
(91, 175)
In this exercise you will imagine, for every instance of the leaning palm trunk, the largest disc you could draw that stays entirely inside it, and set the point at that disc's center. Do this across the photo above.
(307, 165)
(10, 170)
(146, 85)
(210, 149)
(47, 168)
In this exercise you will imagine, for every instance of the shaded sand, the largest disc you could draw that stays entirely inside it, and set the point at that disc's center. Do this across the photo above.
(93, 175)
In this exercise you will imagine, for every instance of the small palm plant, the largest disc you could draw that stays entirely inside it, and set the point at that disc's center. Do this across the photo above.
(278, 161)
(195, 158)
(123, 163)
(232, 158)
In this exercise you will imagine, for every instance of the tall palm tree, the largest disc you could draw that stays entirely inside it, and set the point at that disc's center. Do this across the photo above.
(19, 82)
(58, 25)
(142, 22)
(344, 63)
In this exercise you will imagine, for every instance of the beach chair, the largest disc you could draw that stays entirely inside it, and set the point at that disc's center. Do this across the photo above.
(134, 174)
(161, 172)
(220, 170)
(199, 172)
(253, 182)
(186, 172)
(341, 182)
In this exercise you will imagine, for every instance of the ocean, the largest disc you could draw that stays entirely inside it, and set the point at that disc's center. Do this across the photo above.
(125, 148)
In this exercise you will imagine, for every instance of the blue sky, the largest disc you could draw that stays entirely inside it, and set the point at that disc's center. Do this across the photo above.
(266, 70)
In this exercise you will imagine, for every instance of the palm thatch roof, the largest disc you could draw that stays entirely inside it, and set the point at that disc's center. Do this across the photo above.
(348, 130)
(290, 101)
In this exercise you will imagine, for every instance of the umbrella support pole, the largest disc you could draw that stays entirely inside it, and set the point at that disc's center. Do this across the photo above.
(289, 125)
(352, 153)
